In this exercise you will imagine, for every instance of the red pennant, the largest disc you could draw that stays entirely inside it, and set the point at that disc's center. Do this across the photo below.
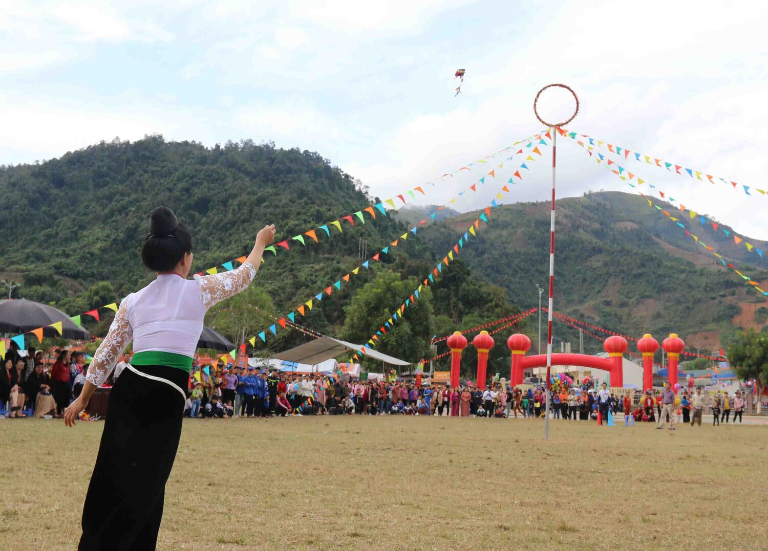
(518, 174)
(376, 257)
(473, 187)
(281, 321)
(242, 348)
(284, 244)
(401, 198)
(677, 169)
(349, 219)
(328, 291)
(715, 225)
(93, 314)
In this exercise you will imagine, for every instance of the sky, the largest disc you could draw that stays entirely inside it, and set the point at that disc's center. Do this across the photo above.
(370, 86)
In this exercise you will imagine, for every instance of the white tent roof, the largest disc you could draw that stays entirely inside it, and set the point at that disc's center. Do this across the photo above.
(325, 348)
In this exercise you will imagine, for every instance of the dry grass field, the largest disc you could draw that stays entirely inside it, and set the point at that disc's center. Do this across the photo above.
(410, 483)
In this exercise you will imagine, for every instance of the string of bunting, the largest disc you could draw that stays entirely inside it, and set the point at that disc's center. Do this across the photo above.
(517, 317)
(660, 163)
(688, 233)
(303, 308)
(375, 338)
(581, 324)
(489, 324)
(510, 324)
(737, 239)
(597, 337)
(314, 234)
(228, 266)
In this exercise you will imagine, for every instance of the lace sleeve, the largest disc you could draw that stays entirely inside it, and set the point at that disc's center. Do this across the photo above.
(120, 334)
(217, 287)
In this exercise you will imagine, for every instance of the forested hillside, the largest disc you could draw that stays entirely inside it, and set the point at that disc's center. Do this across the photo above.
(71, 230)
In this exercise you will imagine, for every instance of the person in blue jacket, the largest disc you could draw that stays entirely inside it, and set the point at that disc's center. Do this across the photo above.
(262, 395)
(250, 390)
(428, 398)
(240, 402)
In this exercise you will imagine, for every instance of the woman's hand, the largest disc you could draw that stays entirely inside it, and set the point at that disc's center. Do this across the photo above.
(73, 410)
(265, 236)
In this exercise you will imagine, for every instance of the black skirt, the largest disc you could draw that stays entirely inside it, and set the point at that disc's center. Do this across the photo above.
(124, 504)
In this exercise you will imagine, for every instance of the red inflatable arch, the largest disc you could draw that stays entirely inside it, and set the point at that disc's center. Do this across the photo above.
(616, 346)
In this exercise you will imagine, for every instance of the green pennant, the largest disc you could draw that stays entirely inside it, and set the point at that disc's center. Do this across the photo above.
(76, 319)
(233, 354)
(359, 214)
(300, 239)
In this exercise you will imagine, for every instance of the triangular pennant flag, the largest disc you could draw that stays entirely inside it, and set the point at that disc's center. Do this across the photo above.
(241, 259)
(252, 340)
(198, 378)
(228, 266)
(300, 239)
(356, 270)
(263, 336)
(93, 313)
(472, 230)
(281, 321)
(273, 328)
(365, 264)
(390, 202)
(300, 310)
(325, 229)
(19, 340)
(212, 271)
(285, 245)
(346, 278)
(737, 239)
(370, 211)
(233, 353)
(38, 333)
(309, 304)
(76, 320)
(359, 214)
(482, 217)
(312, 234)
(271, 249)
(292, 316)
(349, 219)
(112, 307)
(376, 257)
(57, 326)
(381, 208)
(337, 224)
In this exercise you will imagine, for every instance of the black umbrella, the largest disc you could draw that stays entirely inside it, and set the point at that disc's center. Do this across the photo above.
(215, 340)
(22, 315)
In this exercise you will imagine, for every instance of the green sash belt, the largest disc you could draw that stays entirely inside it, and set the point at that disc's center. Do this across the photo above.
(168, 359)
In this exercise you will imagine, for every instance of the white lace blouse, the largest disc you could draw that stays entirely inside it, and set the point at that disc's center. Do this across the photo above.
(166, 315)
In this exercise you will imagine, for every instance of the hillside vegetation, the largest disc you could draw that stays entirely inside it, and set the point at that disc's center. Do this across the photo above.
(71, 230)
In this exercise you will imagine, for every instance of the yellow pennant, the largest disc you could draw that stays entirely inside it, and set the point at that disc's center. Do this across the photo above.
(212, 271)
(112, 307)
(337, 224)
(390, 202)
(309, 304)
(252, 340)
(356, 270)
(472, 230)
(2, 348)
(57, 327)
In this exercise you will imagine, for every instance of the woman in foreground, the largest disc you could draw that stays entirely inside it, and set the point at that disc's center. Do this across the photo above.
(124, 504)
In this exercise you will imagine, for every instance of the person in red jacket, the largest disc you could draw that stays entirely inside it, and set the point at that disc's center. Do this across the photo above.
(628, 417)
(60, 380)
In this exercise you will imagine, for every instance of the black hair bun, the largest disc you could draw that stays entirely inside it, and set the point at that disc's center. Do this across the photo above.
(163, 222)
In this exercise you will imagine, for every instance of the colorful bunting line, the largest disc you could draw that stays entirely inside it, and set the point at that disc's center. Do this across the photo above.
(677, 222)
(516, 317)
(670, 167)
(398, 314)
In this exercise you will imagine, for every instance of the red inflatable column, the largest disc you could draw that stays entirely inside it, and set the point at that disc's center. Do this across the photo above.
(456, 342)
(519, 344)
(647, 347)
(616, 347)
(673, 345)
(483, 342)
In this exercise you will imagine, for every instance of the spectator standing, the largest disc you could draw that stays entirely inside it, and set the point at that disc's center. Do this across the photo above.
(249, 381)
(697, 407)
(726, 408)
(738, 406)
(197, 400)
(229, 387)
(627, 406)
(272, 382)
(716, 401)
(603, 403)
(126, 361)
(667, 408)
(60, 379)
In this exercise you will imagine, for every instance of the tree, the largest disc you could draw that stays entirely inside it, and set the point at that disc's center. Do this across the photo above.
(243, 315)
(748, 354)
(373, 304)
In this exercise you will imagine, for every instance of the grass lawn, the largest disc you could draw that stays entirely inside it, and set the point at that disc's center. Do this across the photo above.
(410, 483)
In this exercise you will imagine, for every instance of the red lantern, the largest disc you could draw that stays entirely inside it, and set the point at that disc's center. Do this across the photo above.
(456, 342)
(616, 347)
(673, 345)
(647, 346)
(483, 342)
(519, 344)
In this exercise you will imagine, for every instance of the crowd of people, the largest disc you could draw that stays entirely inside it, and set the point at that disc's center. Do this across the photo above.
(227, 391)
(29, 388)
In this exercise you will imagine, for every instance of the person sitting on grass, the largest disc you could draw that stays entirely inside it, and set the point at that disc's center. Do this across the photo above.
(282, 406)
(398, 407)
(229, 411)
(347, 405)
(408, 408)
(39, 392)
(213, 408)
(17, 396)
(480, 410)
(421, 407)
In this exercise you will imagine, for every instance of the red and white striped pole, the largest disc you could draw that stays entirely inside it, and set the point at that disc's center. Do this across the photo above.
(554, 128)
(551, 284)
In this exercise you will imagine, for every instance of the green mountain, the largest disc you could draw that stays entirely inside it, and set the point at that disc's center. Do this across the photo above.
(71, 230)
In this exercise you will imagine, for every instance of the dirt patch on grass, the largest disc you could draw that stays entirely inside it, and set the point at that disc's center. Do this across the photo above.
(703, 260)
(626, 225)
(748, 316)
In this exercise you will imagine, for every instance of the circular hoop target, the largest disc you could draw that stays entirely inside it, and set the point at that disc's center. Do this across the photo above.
(536, 101)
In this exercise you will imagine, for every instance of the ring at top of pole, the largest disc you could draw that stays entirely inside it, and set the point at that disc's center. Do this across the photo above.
(545, 123)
